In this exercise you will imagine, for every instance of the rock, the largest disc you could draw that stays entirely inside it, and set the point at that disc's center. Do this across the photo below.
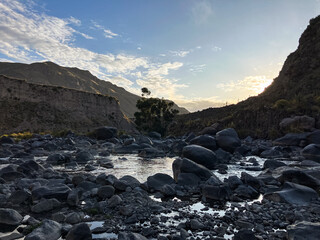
(223, 156)
(209, 131)
(80, 231)
(120, 185)
(314, 137)
(251, 181)
(184, 165)
(132, 181)
(246, 192)
(291, 139)
(300, 177)
(83, 157)
(114, 201)
(49, 230)
(274, 152)
(87, 185)
(154, 135)
(300, 123)
(167, 190)
(244, 234)
(6, 140)
(200, 155)
(19, 196)
(228, 139)
(57, 159)
(293, 193)
(106, 192)
(234, 182)
(188, 179)
(206, 141)
(74, 217)
(311, 152)
(272, 164)
(157, 181)
(213, 180)
(303, 230)
(105, 133)
(46, 205)
(130, 236)
(58, 191)
(73, 198)
(10, 217)
(196, 225)
(218, 193)
(104, 179)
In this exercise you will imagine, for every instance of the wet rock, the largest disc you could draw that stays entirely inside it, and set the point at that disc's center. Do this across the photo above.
(314, 137)
(246, 192)
(234, 182)
(131, 181)
(45, 205)
(120, 185)
(311, 152)
(49, 230)
(299, 177)
(272, 164)
(303, 230)
(130, 236)
(184, 165)
(293, 193)
(167, 190)
(274, 152)
(223, 156)
(58, 159)
(80, 231)
(188, 179)
(106, 192)
(219, 193)
(251, 181)
(83, 157)
(58, 191)
(157, 181)
(206, 141)
(228, 139)
(10, 217)
(104, 179)
(105, 133)
(291, 139)
(200, 155)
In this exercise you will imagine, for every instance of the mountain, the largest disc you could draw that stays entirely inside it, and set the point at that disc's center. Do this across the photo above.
(296, 91)
(33, 107)
(49, 73)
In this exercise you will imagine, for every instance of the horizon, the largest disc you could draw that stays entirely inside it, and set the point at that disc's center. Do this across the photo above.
(208, 55)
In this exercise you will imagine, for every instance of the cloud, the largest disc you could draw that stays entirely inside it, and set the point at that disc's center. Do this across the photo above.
(253, 84)
(106, 32)
(195, 104)
(122, 81)
(201, 11)
(180, 53)
(216, 49)
(74, 21)
(197, 68)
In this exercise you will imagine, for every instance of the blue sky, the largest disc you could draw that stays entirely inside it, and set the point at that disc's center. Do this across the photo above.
(199, 53)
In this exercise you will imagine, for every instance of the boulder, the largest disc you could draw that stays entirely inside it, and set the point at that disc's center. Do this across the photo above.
(314, 137)
(223, 156)
(58, 191)
(293, 193)
(114, 201)
(10, 217)
(132, 181)
(300, 123)
(312, 152)
(250, 180)
(274, 152)
(49, 230)
(303, 230)
(291, 139)
(154, 135)
(184, 165)
(201, 156)
(80, 231)
(300, 177)
(6, 140)
(188, 179)
(46, 205)
(83, 157)
(106, 192)
(246, 192)
(130, 236)
(244, 234)
(228, 139)
(157, 181)
(167, 190)
(206, 141)
(57, 159)
(234, 182)
(272, 164)
(105, 133)
(217, 193)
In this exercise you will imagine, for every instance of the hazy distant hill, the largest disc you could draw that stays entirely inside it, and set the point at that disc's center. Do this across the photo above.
(49, 73)
(296, 91)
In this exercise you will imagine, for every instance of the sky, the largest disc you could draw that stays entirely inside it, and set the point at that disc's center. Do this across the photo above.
(198, 53)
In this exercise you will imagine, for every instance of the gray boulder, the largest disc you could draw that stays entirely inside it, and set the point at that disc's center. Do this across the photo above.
(83, 157)
(46, 205)
(188, 179)
(10, 217)
(49, 230)
(105, 133)
(80, 231)
(272, 164)
(312, 152)
(216, 193)
(206, 141)
(228, 139)
(293, 193)
(157, 181)
(303, 230)
(106, 191)
(302, 123)
(291, 139)
(58, 191)
(201, 156)
(184, 165)
(300, 177)
(130, 236)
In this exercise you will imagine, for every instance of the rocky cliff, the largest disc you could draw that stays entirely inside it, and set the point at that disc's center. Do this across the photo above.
(34, 107)
(49, 73)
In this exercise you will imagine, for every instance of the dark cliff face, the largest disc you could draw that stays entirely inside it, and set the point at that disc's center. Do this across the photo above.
(49, 73)
(296, 91)
(33, 107)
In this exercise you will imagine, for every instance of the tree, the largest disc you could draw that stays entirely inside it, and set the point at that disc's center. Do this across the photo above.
(155, 114)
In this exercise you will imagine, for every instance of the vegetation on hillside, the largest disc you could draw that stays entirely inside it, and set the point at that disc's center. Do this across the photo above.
(154, 114)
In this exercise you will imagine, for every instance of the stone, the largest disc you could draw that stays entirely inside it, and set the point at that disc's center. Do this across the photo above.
(10, 217)
(206, 141)
(87, 185)
(74, 217)
(105, 133)
(48, 230)
(312, 152)
(297, 123)
(291, 139)
(46, 205)
(303, 230)
(106, 192)
(314, 137)
(6, 140)
(19, 196)
(73, 198)
(223, 156)
(83, 157)
(272, 164)
(251, 181)
(293, 193)
(184, 165)
(244, 234)
(157, 181)
(196, 225)
(80, 231)
(167, 190)
(200, 155)
(154, 135)
(114, 201)
(188, 179)
(246, 192)
(234, 182)
(57, 159)
(130, 236)
(300, 177)
(132, 181)
(228, 140)
(58, 191)
(217, 193)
